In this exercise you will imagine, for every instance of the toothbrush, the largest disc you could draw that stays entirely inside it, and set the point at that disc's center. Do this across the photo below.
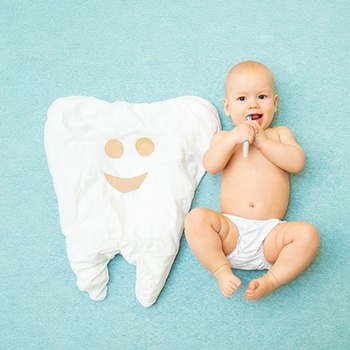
(246, 143)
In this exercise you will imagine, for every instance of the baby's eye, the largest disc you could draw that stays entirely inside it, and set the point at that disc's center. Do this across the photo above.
(241, 98)
(261, 97)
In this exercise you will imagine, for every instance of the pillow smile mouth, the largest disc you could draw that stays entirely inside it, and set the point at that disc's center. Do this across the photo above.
(124, 184)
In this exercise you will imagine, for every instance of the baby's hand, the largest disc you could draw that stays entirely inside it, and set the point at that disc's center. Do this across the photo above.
(244, 132)
(259, 132)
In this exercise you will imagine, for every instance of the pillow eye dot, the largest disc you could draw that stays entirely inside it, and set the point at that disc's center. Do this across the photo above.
(114, 148)
(144, 146)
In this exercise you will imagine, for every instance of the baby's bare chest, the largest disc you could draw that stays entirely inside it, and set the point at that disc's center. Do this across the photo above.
(256, 184)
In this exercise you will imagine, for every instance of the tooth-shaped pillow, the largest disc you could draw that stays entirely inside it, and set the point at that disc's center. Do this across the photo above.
(125, 176)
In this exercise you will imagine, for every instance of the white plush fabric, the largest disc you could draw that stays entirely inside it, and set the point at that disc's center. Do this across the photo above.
(94, 148)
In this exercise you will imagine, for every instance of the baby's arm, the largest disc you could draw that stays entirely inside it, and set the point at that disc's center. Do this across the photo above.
(224, 145)
(286, 154)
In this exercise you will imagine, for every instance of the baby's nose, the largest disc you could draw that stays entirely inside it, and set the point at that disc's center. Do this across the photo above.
(253, 103)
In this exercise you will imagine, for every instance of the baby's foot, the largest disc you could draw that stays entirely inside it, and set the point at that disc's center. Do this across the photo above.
(227, 281)
(260, 287)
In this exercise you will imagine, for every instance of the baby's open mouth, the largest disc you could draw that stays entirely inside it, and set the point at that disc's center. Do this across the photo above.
(256, 116)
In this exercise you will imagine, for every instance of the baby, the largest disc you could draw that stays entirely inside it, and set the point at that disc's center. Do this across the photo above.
(249, 232)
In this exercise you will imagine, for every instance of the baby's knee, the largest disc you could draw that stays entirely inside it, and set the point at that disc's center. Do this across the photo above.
(310, 236)
(195, 219)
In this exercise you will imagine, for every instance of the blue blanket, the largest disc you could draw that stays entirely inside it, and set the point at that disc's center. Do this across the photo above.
(142, 52)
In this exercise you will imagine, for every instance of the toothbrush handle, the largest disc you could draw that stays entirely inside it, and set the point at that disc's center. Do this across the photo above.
(246, 143)
(245, 148)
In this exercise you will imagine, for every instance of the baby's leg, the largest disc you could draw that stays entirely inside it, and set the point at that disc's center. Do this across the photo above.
(290, 247)
(211, 236)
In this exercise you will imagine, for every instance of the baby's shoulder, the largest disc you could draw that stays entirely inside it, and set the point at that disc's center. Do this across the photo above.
(278, 130)
(281, 133)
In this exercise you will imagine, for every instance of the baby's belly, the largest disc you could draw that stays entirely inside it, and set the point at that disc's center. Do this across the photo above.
(254, 189)
(261, 206)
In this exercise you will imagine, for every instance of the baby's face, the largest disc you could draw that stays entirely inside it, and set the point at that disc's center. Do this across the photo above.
(250, 91)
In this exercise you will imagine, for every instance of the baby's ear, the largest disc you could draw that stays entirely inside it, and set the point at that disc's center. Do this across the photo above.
(226, 106)
(275, 102)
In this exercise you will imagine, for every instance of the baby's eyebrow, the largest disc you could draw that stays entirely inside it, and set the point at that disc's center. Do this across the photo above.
(241, 92)
(265, 92)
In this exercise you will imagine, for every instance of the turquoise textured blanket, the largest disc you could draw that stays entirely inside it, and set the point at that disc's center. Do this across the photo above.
(142, 52)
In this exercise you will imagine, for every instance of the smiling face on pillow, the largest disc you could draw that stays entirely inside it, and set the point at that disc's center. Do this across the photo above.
(125, 176)
(115, 149)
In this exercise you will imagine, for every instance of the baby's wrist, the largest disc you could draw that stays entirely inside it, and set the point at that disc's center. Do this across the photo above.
(260, 144)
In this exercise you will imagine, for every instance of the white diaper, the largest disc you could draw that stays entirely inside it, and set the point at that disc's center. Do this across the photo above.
(249, 251)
